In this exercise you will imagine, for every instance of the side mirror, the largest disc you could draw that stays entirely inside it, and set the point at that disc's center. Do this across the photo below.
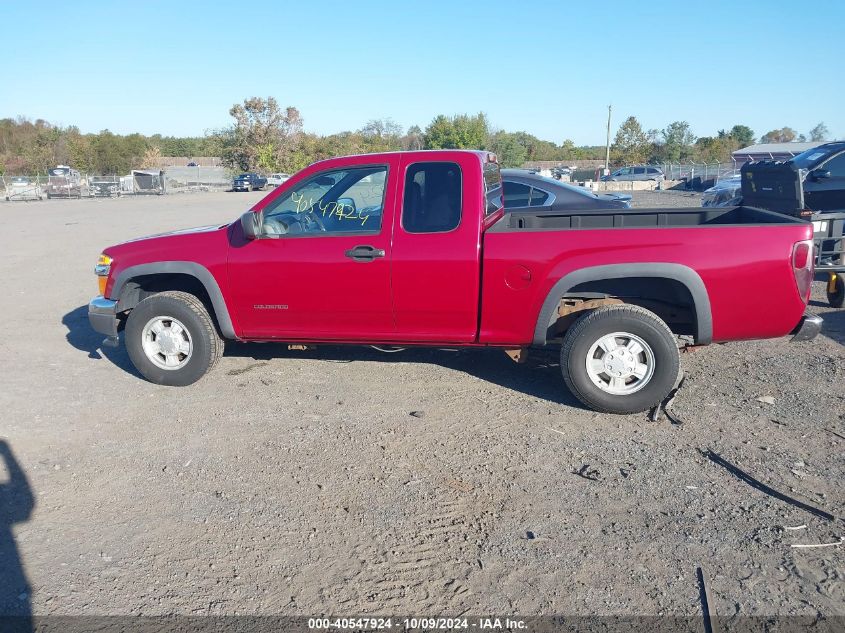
(251, 224)
(819, 174)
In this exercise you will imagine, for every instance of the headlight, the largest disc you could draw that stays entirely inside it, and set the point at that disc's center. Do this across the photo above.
(102, 270)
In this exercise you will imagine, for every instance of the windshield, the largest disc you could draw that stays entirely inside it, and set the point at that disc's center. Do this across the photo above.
(810, 158)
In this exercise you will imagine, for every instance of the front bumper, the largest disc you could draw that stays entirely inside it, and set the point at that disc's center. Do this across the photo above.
(102, 315)
(808, 328)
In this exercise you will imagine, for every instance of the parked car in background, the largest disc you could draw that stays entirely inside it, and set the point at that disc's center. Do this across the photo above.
(824, 176)
(192, 164)
(64, 182)
(635, 172)
(249, 182)
(274, 180)
(727, 192)
(525, 190)
(559, 172)
(23, 188)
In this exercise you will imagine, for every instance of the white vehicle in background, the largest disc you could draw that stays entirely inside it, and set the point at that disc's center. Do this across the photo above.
(23, 188)
(274, 180)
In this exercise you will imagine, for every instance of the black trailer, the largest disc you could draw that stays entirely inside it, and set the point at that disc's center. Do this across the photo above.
(105, 186)
(829, 237)
(147, 181)
(783, 187)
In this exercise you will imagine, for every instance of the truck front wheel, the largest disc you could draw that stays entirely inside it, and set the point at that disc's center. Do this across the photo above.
(171, 339)
(620, 359)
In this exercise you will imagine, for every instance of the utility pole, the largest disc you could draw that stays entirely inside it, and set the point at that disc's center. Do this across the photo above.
(607, 153)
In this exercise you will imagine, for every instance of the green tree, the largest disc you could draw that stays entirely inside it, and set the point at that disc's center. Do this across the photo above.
(568, 151)
(382, 135)
(718, 149)
(677, 141)
(631, 144)
(260, 123)
(783, 135)
(819, 133)
(413, 139)
(743, 134)
(508, 149)
(458, 132)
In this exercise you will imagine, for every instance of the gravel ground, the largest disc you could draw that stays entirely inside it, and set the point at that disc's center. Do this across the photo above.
(432, 482)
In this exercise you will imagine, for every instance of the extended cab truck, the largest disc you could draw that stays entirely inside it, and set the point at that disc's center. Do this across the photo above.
(404, 249)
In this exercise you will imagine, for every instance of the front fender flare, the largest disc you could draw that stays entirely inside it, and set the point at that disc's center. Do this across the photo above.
(198, 271)
(678, 272)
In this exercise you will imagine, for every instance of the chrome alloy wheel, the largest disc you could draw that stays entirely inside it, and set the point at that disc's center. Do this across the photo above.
(167, 342)
(620, 363)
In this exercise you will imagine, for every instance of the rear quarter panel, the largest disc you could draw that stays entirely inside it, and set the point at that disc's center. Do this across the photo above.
(746, 270)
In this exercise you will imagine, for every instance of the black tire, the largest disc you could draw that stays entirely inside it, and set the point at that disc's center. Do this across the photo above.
(836, 299)
(595, 325)
(190, 311)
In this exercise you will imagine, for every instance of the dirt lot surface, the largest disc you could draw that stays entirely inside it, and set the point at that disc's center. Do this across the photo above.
(424, 482)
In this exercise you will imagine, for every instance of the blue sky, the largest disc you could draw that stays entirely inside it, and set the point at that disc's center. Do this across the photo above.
(549, 68)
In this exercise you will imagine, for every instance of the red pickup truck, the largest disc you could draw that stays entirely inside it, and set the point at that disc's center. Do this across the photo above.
(415, 248)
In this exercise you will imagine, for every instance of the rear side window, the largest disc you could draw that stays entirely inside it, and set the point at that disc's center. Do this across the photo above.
(492, 183)
(516, 195)
(432, 202)
(653, 170)
(538, 197)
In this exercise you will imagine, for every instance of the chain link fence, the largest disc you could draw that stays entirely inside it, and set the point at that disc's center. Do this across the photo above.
(198, 178)
(17, 188)
(21, 187)
(698, 174)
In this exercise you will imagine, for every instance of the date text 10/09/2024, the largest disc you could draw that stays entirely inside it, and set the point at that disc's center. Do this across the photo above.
(445, 624)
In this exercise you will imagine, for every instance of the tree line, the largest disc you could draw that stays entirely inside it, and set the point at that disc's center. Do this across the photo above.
(266, 137)
(33, 147)
(676, 143)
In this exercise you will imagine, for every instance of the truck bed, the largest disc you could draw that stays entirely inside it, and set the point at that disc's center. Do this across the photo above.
(741, 255)
(640, 218)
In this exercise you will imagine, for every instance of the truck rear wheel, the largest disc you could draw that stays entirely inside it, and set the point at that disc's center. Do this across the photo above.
(620, 359)
(836, 291)
(171, 339)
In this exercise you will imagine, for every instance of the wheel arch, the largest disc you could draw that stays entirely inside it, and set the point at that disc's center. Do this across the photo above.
(128, 287)
(679, 273)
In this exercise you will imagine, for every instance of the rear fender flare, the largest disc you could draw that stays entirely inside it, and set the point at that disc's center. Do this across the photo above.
(198, 271)
(678, 272)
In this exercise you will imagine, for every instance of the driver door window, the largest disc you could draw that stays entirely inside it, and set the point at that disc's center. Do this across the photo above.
(339, 202)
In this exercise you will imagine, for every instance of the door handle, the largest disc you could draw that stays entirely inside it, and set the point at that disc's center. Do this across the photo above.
(364, 253)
